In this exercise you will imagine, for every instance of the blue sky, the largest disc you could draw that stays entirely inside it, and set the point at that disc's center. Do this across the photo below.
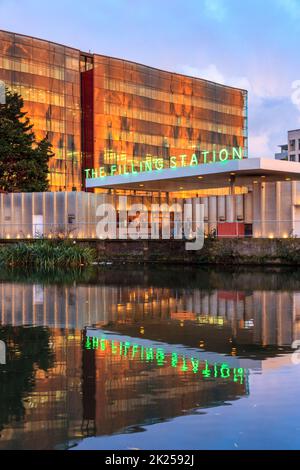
(251, 43)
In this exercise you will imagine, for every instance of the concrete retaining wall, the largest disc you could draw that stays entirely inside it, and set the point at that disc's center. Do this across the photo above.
(234, 251)
(215, 251)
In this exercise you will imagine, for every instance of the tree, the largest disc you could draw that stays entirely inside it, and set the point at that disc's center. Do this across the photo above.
(23, 159)
(28, 349)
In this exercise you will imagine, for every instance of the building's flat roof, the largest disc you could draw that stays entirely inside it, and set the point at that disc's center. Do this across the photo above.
(212, 175)
(177, 74)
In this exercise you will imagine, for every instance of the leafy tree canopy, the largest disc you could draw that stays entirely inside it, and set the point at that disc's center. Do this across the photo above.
(23, 159)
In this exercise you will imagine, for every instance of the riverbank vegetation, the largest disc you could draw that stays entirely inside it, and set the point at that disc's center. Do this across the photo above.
(46, 254)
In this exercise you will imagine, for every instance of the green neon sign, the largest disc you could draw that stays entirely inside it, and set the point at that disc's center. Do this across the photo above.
(161, 358)
(151, 163)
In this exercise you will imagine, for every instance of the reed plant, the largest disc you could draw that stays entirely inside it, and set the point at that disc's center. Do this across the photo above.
(46, 254)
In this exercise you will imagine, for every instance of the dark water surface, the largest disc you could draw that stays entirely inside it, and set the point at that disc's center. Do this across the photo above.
(150, 358)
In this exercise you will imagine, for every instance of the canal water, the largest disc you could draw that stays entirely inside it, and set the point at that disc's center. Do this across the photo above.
(150, 358)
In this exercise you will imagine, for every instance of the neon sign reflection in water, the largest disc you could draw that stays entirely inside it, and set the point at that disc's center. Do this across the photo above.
(160, 358)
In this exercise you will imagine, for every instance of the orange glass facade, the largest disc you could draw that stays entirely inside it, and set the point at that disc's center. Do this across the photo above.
(101, 111)
(144, 113)
(48, 78)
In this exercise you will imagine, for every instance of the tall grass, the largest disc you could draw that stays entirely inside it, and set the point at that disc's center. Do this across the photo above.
(46, 254)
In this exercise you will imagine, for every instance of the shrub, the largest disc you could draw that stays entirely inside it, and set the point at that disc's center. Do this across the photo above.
(45, 254)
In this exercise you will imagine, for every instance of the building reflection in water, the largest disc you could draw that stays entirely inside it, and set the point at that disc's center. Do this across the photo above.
(154, 351)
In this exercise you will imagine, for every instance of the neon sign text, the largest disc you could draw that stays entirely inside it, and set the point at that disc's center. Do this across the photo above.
(151, 163)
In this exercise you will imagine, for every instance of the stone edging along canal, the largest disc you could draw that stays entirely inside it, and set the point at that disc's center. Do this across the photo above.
(233, 251)
(230, 251)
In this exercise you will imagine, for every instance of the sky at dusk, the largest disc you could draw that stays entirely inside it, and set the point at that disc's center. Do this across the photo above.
(252, 44)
